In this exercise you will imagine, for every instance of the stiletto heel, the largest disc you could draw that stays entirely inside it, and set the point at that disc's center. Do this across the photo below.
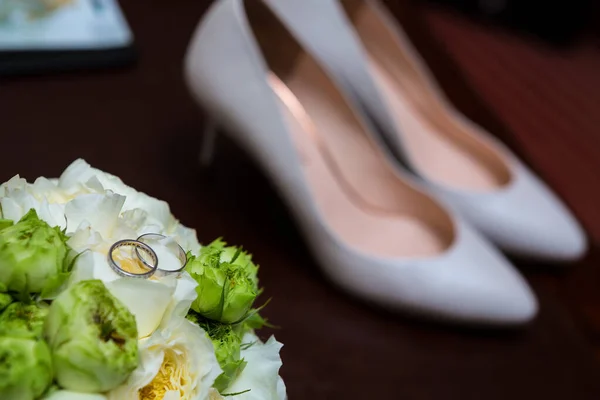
(209, 140)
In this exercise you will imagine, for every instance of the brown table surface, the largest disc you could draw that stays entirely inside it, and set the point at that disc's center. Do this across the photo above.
(139, 123)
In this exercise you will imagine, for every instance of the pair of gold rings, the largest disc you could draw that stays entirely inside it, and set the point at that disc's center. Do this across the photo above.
(149, 262)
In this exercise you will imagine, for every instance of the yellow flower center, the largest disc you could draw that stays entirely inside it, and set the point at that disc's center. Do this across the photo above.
(134, 266)
(173, 375)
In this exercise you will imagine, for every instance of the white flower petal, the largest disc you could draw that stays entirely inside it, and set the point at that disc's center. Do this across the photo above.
(146, 299)
(83, 270)
(151, 358)
(53, 214)
(261, 372)
(184, 296)
(85, 238)
(81, 171)
(67, 395)
(202, 358)
(215, 395)
(158, 210)
(18, 198)
(171, 395)
(135, 218)
(11, 209)
(281, 389)
(95, 185)
(102, 211)
(187, 238)
(102, 270)
(74, 175)
(167, 250)
(44, 188)
(16, 182)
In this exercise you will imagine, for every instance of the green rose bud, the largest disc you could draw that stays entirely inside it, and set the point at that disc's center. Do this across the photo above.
(5, 223)
(227, 282)
(23, 320)
(227, 345)
(5, 300)
(92, 337)
(25, 368)
(31, 252)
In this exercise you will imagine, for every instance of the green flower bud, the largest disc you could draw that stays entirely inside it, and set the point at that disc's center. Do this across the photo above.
(5, 223)
(23, 320)
(92, 337)
(25, 368)
(31, 252)
(227, 282)
(227, 345)
(5, 300)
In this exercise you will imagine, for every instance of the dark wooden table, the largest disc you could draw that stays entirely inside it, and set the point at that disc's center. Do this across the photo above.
(139, 123)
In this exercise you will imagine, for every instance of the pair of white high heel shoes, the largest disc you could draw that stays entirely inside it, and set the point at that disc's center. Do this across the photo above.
(337, 107)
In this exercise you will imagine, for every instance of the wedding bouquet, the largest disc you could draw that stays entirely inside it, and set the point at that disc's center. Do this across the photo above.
(104, 295)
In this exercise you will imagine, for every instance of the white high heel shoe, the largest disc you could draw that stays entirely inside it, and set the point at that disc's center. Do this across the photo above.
(372, 230)
(360, 43)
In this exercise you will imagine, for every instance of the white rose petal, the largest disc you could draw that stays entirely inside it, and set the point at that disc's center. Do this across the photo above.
(187, 238)
(168, 252)
(11, 209)
(261, 374)
(146, 299)
(67, 395)
(100, 210)
(18, 198)
(83, 269)
(184, 296)
(80, 171)
(45, 188)
(85, 238)
(16, 182)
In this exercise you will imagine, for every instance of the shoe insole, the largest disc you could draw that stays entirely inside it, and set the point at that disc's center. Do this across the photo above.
(356, 191)
(444, 148)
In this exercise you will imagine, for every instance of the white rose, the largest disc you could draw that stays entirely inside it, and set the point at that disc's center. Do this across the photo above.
(177, 362)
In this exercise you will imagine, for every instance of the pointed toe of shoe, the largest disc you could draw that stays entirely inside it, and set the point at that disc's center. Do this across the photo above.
(507, 303)
(525, 219)
(471, 283)
(540, 228)
(483, 287)
(550, 237)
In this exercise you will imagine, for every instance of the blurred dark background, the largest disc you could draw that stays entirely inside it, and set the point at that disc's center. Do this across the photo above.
(526, 72)
(558, 22)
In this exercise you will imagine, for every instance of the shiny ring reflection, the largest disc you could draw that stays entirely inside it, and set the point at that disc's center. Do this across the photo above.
(137, 245)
